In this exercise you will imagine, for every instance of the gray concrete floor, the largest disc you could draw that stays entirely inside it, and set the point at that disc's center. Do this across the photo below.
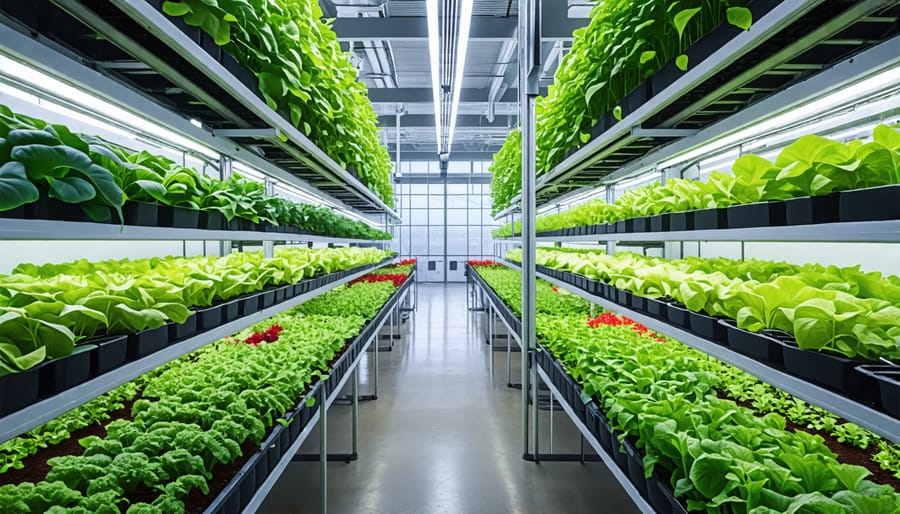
(444, 435)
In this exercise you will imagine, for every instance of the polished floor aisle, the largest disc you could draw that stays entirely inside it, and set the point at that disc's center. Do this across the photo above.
(444, 437)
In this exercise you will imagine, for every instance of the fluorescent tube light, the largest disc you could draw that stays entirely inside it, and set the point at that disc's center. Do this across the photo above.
(462, 46)
(811, 110)
(434, 35)
(57, 88)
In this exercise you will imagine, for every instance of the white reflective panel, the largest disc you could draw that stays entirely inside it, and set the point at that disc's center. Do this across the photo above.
(418, 189)
(457, 189)
(436, 189)
(458, 167)
(457, 239)
(418, 217)
(418, 201)
(404, 241)
(456, 201)
(436, 201)
(418, 240)
(436, 241)
(456, 217)
(475, 201)
(475, 217)
(487, 219)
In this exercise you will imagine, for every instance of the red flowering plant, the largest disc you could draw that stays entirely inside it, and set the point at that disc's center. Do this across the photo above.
(486, 262)
(270, 335)
(614, 320)
(408, 262)
(397, 278)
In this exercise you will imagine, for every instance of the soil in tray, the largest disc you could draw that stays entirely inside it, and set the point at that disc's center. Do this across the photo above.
(36, 467)
(847, 454)
(196, 501)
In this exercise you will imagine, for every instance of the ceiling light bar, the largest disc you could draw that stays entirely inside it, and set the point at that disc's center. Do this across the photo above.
(431, 7)
(46, 83)
(465, 23)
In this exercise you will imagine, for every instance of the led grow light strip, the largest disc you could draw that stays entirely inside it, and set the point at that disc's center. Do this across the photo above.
(434, 35)
(44, 82)
(465, 23)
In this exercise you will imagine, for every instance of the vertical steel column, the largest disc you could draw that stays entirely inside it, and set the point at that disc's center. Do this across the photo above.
(355, 392)
(375, 375)
(610, 198)
(269, 246)
(529, 75)
(224, 174)
(323, 449)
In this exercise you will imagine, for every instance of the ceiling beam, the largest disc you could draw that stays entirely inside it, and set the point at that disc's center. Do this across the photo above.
(425, 120)
(455, 156)
(424, 94)
(555, 26)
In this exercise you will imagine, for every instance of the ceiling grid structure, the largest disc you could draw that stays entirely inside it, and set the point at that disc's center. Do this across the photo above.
(389, 43)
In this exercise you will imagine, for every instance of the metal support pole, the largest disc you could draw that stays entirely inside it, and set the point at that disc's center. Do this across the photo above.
(355, 392)
(375, 375)
(508, 359)
(224, 174)
(491, 343)
(323, 450)
(269, 246)
(529, 87)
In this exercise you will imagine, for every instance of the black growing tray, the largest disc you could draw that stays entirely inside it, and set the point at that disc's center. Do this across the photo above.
(759, 346)
(871, 204)
(888, 380)
(111, 352)
(832, 371)
(678, 314)
(710, 219)
(762, 214)
(707, 327)
(811, 210)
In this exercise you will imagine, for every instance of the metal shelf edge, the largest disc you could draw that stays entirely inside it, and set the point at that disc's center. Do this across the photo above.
(22, 421)
(626, 484)
(46, 230)
(867, 417)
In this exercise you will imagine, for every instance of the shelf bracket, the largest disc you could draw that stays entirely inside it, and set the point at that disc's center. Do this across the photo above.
(640, 131)
(258, 133)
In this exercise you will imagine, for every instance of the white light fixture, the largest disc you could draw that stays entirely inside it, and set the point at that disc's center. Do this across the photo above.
(52, 86)
(462, 46)
(434, 52)
(841, 97)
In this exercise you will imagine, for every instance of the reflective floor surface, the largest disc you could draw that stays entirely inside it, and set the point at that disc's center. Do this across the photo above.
(444, 436)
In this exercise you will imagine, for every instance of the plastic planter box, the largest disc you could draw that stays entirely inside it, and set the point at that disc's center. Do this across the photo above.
(209, 318)
(832, 371)
(707, 327)
(710, 219)
(679, 221)
(659, 223)
(811, 210)
(888, 379)
(657, 307)
(231, 310)
(658, 500)
(141, 214)
(179, 331)
(249, 304)
(641, 224)
(677, 314)
(58, 375)
(762, 214)
(635, 467)
(111, 353)
(229, 500)
(147, 342)
(178, 217)
(755, 345)
(19, 390)
(872, 204)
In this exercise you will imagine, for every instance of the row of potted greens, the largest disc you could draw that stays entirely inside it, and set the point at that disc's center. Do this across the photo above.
(813, 180)
(667, 415)
(624, 45)
(833, 326)
(301, 71)
(205, 431)
(86, 319)
(49, 172)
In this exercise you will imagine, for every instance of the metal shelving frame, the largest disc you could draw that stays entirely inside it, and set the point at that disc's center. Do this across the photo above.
(320, 417)
(67, 67)
(617, 473)
(879, 422)
(34, 415)
(848, 232)
(631, 129)
(49, 230)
